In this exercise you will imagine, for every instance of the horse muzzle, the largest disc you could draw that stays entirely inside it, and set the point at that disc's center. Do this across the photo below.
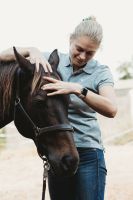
(66, 166)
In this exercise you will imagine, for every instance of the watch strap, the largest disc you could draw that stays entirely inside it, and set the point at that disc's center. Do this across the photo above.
(83, 93)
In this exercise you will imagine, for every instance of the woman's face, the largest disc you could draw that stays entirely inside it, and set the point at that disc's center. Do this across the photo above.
(82, 49)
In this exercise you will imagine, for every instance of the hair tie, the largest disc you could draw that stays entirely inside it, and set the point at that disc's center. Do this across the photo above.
(89, 18)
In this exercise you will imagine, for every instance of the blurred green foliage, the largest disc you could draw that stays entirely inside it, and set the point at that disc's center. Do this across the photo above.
(125, 70)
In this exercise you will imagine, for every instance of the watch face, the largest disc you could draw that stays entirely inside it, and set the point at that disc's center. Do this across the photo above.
(84, 91)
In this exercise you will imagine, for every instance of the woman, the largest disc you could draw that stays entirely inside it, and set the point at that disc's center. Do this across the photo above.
(90, 85)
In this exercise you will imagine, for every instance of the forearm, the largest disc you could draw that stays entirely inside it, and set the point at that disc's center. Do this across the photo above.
(8, 55)
(104, 103)
(101, 104)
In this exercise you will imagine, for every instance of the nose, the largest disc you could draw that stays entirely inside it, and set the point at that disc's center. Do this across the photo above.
(83, 56)
(69, 164)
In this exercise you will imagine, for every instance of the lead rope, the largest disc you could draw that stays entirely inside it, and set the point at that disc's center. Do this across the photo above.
(46, 166)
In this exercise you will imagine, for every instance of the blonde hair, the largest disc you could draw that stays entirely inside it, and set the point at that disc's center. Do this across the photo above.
(89, 27)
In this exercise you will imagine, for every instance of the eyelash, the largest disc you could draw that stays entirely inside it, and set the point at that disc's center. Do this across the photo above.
(89, 53)
(80, 50)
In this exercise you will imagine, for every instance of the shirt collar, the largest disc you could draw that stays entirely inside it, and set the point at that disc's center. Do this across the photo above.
(66, 61)
(90, 66)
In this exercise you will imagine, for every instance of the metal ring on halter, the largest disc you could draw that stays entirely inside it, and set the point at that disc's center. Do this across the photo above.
(46, 169)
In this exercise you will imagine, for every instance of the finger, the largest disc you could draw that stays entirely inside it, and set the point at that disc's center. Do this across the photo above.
(37, 66)
(53, 93)
(52, 80)
(49, 87)
(47, 67)
(32, 61)
(44, 64)
(28, 58)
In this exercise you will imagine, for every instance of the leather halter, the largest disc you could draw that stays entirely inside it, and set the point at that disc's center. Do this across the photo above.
(37, 130)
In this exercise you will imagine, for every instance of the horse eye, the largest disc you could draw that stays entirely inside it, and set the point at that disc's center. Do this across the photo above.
(39, 98)
(38, 104)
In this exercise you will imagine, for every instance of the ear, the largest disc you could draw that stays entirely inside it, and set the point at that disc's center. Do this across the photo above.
(54, 60)
(24, 64)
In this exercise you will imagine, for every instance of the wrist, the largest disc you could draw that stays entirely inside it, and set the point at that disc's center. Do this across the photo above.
(83, 92)
(77, 89)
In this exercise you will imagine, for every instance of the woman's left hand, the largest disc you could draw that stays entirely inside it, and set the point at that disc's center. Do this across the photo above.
(61, 87)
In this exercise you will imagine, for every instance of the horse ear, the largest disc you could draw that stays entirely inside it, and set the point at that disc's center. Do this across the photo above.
(54, 60)
(24, 64)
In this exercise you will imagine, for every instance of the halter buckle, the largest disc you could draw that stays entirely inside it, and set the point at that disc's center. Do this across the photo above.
(37, 131)
(46, 169)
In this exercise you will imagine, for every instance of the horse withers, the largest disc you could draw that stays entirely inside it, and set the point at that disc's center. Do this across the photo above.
(36, 115)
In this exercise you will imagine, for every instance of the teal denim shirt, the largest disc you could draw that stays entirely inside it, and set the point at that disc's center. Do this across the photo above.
(82, 117)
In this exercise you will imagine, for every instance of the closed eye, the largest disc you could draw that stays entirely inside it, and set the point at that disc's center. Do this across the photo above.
(40, 96)
(88, 53)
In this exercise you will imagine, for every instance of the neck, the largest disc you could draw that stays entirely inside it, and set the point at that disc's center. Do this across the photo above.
(4, 122)
(7, 72)
(77, 68)
(6, 115)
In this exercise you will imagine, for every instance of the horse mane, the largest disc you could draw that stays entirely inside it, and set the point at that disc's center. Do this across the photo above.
(7, 71)
(36, 82)
(7, 77)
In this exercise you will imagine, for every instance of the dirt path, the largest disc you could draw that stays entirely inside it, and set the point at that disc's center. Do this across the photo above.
(120, 172)
(21, 172)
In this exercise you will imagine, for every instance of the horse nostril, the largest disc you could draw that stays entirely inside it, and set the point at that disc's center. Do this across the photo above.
(69, 163)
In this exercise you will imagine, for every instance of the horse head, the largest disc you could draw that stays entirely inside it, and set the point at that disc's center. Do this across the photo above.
(44, 118)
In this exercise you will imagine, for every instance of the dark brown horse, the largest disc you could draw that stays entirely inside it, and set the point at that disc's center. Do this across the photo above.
(37, 116)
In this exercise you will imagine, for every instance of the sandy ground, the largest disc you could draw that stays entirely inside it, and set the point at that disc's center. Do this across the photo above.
(21, 171)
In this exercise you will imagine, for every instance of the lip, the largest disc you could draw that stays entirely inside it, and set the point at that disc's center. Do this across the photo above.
(80, 62)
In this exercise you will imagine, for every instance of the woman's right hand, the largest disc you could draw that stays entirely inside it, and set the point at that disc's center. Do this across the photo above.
(35, 56)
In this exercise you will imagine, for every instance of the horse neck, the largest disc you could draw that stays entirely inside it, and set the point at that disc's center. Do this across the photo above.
(7, 91)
